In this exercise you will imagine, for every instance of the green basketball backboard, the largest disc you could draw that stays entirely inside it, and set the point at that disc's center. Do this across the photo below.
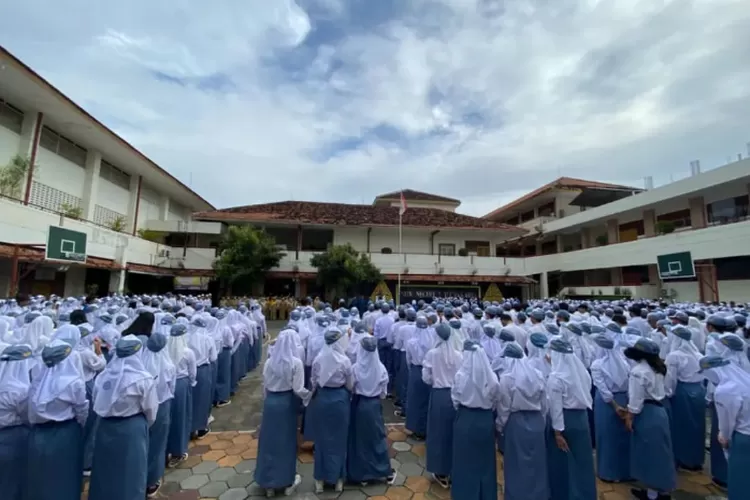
(675, 265)
(65, 245)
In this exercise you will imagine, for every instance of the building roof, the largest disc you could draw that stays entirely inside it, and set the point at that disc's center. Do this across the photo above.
(561, 183)
(343, 214)
(412, 195)
(62, 97)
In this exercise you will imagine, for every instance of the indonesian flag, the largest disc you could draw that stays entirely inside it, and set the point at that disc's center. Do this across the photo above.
(402, 209)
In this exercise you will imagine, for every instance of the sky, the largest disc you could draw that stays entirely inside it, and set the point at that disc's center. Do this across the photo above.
(254, 101)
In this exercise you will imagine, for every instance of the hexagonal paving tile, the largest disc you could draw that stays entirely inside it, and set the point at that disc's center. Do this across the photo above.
(240, 480)
(221, 445)
(406, 457)
(373, 490)
(234, 494)
(401, 446)
(398, 493)
(213, 489)
(230, 461)
(214, 455)
(205, 467)
(194, 482)
(222, 474)
(410, 469)
(395, 464)
(190, 462)
(245, 466)
(419, 450)
(418, 484)
(177, 475)
(439, 492)
(352, 495)
(396, 436)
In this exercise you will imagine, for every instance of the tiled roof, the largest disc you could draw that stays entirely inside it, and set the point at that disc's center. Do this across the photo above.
(562, 182)
(169, 271)
(342, 214)
(429, 278)
(412, 195)
(32, 254)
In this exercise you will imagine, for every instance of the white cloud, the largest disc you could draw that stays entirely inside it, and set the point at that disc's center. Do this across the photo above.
(493, 98)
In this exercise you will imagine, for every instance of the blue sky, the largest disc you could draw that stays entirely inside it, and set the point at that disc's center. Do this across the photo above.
(340, 100)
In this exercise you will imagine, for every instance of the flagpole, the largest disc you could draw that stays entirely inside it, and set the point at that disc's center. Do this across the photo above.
(400, 250)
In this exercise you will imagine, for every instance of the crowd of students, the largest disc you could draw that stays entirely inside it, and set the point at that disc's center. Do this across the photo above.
(544, 383)
(113, 389)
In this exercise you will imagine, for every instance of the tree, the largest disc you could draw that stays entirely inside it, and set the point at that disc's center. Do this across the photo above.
(12, 176)
(343, 271)
(245, 255)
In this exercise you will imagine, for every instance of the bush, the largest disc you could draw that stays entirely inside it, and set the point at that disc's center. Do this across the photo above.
(462, 252)
(665, 227)
(386, 250)
(72, 211)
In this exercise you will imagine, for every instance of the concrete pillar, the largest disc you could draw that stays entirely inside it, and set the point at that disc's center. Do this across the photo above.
(585, 238)
(544, 285)
(117, 281)
(697, 212)
(134, 203)
(29, 142)
(75, 281)
(616, 276)
(164, 208)
(613, 231)
(91, 183)
(559, 242)
(649, 223)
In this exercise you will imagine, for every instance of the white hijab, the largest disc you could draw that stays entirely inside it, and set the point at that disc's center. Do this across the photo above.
(614, 363)
(475, 381)
(279, 366)
(369, 372)
(330, 359)
(567, 368)
(525, 378)
(118, 378)
(176, 346)
(55, 379)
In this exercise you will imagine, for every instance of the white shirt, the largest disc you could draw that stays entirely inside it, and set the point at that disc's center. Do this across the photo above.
(644, 384)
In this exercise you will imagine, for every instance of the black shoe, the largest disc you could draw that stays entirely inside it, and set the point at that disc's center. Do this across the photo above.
(202, 433)
(222, 404)
(398, 404)
(639, 494)
(152, 491)
(391, 477)
(389, 396)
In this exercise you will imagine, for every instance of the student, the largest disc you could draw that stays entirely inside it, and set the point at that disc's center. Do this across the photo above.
(183, 359)
(332, 384)
(157, 362)
(15, 382)
(125, 401)
(570, 461)
(224, 337)
(521, 422)
(441, 363)
(367, 455)
(732, 399)
(418, 392)
(651, 455)
(205, 349)
(284, 384)
(57, 410)
(475, 396)
(609, 372)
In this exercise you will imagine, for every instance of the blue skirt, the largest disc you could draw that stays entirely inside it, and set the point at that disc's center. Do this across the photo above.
(308, 374)
(14, 447)
(419, 402)
(393, 379)
(244, 349)
(440, 417)
(402, 381)
(181, 412)
(571, 474)
(89, 430)
(236, 369)
(55, 461)
(474, 473)
(651, 455)
(718, 460)
(738, 466)
(385, 353)
(258, 350)
(613, 452)
(277, 443)
(157, 443)
(201, 399)
(252, 361)
(121, 458)
(525, 458)
(367, 456)
(330, 418)
(689, 425)
(223, 375)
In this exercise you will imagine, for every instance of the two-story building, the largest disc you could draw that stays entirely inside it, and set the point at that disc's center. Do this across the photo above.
(61, 167)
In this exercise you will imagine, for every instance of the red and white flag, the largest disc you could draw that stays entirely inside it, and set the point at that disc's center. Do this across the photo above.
(402, 209)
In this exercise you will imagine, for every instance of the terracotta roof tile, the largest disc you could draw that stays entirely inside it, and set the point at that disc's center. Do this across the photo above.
(168, 271)
(562, 182)
(342, 214)
(412, 195)
(33, 254)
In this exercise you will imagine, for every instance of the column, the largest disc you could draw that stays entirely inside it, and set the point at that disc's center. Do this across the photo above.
(31, 131)
(649, 223)
(616, 276)
(117, 281)
(164, 207)
(585, 238)
(75, 281)
(697, 212)
(544, 285)
(134, 203)
(91, 183)
(613, 231)
(559, 242)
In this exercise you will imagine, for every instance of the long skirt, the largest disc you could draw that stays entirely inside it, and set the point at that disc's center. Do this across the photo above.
(718, 459)
(402, 381)
(277, 443)
(258, 350)
(55, 461)
(121, 458)
(367, 456)
(181, 413)
(252, 362)
(525, 458)
(244, 349)
(14, 448)
(738, 466)
(201, 399)
(223, 375)
(157, 443)
(571, 474)
(308, 374)
(89, 430)
(592, 420)
(474, 475)
(613, 452)
(440, 417)
(651, 455)
(330, 417)
(689, 425)
(385, 353)
(237, 373)
(395, 388)
(419, 402)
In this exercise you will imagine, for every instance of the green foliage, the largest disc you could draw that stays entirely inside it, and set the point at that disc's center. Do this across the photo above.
(118, 224)
(665, 227)
(246, 254)
(342, 270)
(72, 211)
(12, 176)
(149, 235)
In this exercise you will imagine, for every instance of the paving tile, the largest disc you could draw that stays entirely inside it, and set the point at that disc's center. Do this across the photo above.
(205, 467)
(399, 480)
(374, 490)
(213, 489)
(437, 491)
(221, 445)
(245, 466)
(177, 475)
(240, 480)
(190, 462)
(255, 489)
(418, 484)
(411, 469)
(200, 449)
(184, 495)
(214, 455)
(194, 482)
(396, 436)
(419, 450)
(398, 493)
(406, 457)
(352, 495)
(230, 461)
(305, 469)
(395, 464)
(306, 457)
(401, 446)
(222, 474)
(234, 494)
(169, 488)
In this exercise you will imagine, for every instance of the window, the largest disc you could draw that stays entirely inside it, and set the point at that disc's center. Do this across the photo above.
(547, 210)
(527, 216)
(729, 210)
(114, 175)
(681, 218)
(11, 117)
(479, 248)
(448, 249)
(54, 142)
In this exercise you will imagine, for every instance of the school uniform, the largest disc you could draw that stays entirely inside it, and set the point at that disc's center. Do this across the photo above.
(204, 349)
(418, 401)
(181, 411)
